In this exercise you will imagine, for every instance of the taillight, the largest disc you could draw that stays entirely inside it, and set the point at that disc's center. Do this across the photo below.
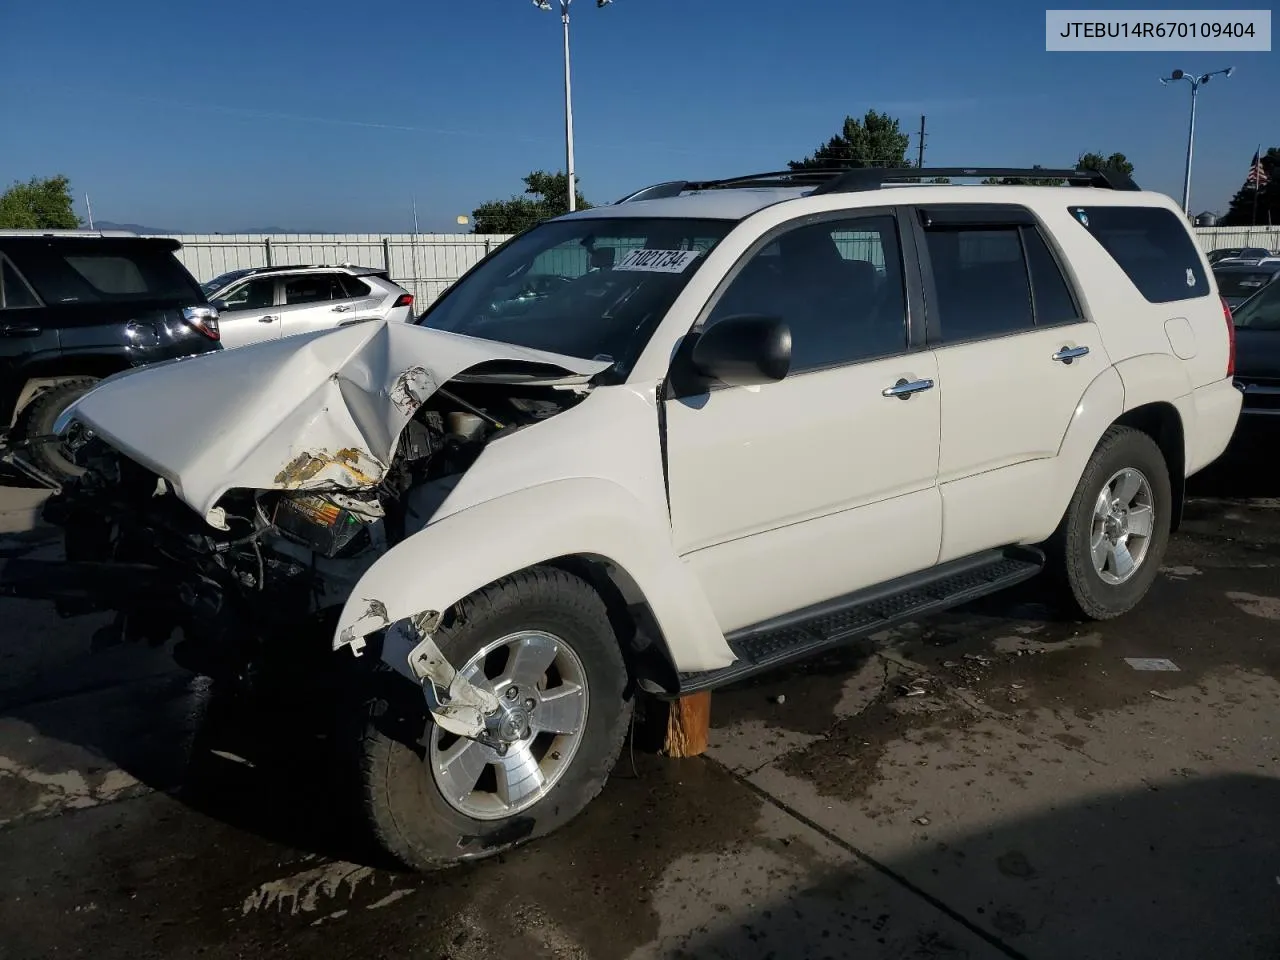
(1231, 338)
(405, 300)
(203, 320)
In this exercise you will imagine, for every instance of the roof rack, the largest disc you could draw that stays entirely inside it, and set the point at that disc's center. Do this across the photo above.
(856, 179)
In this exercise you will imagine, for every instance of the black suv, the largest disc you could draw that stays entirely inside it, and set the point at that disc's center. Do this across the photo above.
(77, 306)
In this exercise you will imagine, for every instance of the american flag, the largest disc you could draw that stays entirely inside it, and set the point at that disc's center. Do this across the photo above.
(1257, 176)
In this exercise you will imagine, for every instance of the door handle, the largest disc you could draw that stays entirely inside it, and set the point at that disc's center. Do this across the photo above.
(341, 308)
(268, 318)
(19, 330)
(904, 388)
(1067, 354)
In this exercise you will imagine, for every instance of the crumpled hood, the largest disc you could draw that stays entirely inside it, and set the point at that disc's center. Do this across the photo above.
(322, 410)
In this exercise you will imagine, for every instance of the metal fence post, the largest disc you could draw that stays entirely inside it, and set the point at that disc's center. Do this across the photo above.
(266, 242)
(386, 255)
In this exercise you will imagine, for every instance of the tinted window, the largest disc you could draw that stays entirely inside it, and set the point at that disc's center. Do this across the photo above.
(14, 292)
(314, 288)
(980, 279)
(93, 271)
(1152, 246)
(354, 288)
(837, 284)
(1261, 312)
(251, 295)
(1052, 297)
(1241, 283)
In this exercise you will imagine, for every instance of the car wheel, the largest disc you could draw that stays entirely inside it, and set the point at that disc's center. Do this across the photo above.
(37, 419)
(542, 641)
(1116, 530)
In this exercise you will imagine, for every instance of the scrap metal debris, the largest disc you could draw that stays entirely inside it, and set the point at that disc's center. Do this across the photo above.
(1151, 663)
(1161, 696)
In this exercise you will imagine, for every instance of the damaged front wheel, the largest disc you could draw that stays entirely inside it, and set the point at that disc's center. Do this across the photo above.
(541, 642)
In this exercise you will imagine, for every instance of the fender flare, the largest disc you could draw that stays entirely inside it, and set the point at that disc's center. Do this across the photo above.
(1102, 403)
(451, 558)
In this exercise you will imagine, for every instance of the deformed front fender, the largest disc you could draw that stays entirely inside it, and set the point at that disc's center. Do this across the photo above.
(452, 557)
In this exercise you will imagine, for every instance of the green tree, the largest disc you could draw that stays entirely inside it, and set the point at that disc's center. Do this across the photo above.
(1027, 182)
(873, 141)
(1241, 211)
(38, 204)
(546, 195)
(1096, 161)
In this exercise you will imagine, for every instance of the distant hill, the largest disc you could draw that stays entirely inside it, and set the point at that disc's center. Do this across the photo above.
(144, 230)
(132, 228)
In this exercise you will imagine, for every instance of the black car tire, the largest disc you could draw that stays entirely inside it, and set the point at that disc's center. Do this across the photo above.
(399, 797)
(37, 419)
(1083, 586)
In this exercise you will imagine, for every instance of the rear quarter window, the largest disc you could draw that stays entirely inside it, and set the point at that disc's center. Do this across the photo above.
(1152, 246)
(85, 272)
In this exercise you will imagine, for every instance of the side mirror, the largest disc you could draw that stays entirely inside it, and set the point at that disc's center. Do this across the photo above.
(219, 305)
(743, 351)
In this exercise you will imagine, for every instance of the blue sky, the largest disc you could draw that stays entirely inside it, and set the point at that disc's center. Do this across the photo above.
(330, 116)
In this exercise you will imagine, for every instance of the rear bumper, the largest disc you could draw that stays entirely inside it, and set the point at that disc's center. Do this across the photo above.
(1215, 409)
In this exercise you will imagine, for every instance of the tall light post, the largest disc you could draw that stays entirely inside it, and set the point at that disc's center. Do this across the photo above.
(568, 94)
(1196, 83)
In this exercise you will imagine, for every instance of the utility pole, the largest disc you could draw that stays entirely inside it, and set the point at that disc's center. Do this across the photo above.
(89, 207)
(920, 155)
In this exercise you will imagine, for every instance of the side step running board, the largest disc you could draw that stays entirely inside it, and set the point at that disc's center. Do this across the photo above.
(815, 629)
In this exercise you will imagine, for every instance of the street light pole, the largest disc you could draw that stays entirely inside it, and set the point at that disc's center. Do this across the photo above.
(1196, 83)
(568, 96)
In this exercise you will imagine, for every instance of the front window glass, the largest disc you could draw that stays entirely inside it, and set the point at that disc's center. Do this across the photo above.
(593, 288)
(1261, 312)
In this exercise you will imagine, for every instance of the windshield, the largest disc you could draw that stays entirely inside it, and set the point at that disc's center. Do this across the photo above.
(593, 288)
(211, 287)
(1242, 283)
(1261, 312)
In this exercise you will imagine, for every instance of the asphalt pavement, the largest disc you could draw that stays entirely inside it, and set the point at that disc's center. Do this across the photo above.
(996, 782)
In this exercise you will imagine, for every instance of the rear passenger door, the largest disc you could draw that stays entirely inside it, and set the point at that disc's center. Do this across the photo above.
(1015, 356)
(314, 301)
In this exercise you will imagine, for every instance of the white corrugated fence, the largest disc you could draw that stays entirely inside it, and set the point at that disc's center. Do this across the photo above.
(424, 264)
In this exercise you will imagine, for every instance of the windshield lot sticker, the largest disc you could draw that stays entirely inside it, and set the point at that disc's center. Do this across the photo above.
(658, 261)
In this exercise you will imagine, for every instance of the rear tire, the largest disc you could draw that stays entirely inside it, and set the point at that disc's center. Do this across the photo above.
(400, 754)
(37, 419)
(1113, 538)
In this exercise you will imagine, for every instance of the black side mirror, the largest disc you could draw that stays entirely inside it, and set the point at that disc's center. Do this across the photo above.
(219, 305)
(742, 351)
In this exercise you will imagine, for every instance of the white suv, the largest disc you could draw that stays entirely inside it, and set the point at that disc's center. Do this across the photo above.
(659, 446)
(267, 303)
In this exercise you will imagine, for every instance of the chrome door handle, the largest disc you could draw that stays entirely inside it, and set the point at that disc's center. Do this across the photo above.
(904, 388)
(341, 308)
(268, 318)
(19, 330)
(1067, 354)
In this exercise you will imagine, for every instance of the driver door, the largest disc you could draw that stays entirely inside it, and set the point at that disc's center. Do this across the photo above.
(801, 491)
(250, 314)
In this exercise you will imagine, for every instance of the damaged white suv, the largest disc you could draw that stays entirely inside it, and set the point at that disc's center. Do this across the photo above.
(658, 446)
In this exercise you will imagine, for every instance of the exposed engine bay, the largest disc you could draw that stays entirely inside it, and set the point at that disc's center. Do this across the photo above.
(268, 578)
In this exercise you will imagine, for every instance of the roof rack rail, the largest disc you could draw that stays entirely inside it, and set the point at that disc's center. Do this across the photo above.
(873, 178)
(854, 179)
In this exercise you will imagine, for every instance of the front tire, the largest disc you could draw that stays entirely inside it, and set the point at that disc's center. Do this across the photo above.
(1116, 529)
(432, 799)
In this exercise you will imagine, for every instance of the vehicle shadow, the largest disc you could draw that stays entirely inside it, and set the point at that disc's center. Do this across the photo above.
(1183, 869)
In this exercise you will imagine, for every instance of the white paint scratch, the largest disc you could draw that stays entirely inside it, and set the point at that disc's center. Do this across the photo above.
(65, 790)
(301, 893)
(1268, 608)
(390, 898)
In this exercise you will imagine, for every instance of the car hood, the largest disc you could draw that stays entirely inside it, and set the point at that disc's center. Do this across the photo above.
(312, 411)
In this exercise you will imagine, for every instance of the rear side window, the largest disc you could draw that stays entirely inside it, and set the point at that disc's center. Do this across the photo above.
(14, 292)
(354, 288)
(980, 277)
(314, 289)
(87, 272)
(1152, 246)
